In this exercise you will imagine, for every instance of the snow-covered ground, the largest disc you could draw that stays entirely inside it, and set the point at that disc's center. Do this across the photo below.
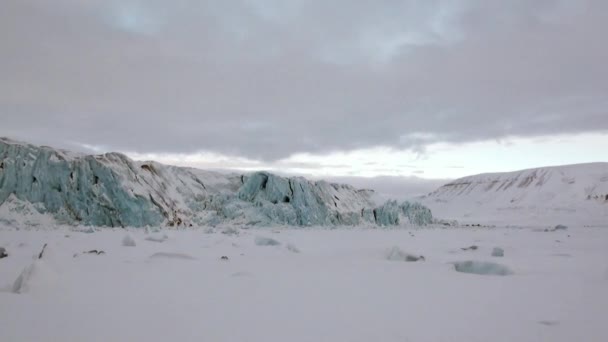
(571, 194)
(316, 285)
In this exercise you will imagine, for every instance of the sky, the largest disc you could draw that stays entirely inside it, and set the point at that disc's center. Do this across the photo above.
(418, 90)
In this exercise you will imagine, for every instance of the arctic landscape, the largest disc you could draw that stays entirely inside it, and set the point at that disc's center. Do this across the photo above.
(303, 171)
(102, 247)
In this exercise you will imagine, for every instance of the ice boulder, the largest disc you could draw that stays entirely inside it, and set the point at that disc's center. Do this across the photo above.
(396, 254)
(86, 230)
(266, 241)
(557, 228)
(292, 248)
(482, 268)
(230, 230)
(174, 256)
(128, 241)
(158, 237)
(498, 252)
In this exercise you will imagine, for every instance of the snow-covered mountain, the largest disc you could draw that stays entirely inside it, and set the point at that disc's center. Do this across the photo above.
(576, 194)
(39, 183)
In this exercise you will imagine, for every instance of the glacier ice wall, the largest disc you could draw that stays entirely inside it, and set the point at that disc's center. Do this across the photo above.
(391, 213)
(113, 190)
(83, 189)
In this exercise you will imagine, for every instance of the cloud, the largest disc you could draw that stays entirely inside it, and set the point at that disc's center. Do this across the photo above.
(264, 80)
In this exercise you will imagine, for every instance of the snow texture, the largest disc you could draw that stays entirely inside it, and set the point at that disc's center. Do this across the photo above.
(339, 289)
(35, 277)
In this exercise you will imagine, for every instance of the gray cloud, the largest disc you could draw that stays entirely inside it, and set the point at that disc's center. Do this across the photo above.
(266, 79)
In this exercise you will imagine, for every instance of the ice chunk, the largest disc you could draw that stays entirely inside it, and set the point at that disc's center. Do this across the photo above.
(482, 268)
(549, 323)
(292, 248)
(396, 254)
(266, 241)
(498, 252)
(230, 231)
(158, 237)
(128, 241)
(165, 255)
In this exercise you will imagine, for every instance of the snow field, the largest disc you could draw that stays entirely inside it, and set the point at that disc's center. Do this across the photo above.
(339, 287)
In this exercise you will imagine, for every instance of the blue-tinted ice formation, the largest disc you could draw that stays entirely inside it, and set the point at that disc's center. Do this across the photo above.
(113, 190)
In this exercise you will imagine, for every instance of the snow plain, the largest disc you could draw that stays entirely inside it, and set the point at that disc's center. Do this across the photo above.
(316, 285)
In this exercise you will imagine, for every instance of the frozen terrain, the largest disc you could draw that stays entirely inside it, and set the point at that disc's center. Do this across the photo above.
(41, 185)
(571, 194)
(310, 285)
(231, 269)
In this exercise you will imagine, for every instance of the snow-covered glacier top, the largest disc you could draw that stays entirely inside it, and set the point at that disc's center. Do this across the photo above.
(558, 194)
(113, 190)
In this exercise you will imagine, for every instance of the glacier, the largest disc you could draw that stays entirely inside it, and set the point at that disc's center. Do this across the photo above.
(113, 190)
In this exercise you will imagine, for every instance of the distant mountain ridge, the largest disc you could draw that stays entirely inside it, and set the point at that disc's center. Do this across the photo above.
(113, 190)
(570, 193)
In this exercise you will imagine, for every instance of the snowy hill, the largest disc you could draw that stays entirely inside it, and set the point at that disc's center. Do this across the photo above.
(42, 183)
(576, 194)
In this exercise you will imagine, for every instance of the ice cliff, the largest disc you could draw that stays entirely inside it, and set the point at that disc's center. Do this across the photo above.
(113, 190)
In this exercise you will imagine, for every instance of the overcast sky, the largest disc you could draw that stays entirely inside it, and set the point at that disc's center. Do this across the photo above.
(431, 89)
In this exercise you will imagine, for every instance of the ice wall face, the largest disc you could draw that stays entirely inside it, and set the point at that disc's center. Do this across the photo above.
(82, 189)
(391, 214)
(113, 190)
(297, 201)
